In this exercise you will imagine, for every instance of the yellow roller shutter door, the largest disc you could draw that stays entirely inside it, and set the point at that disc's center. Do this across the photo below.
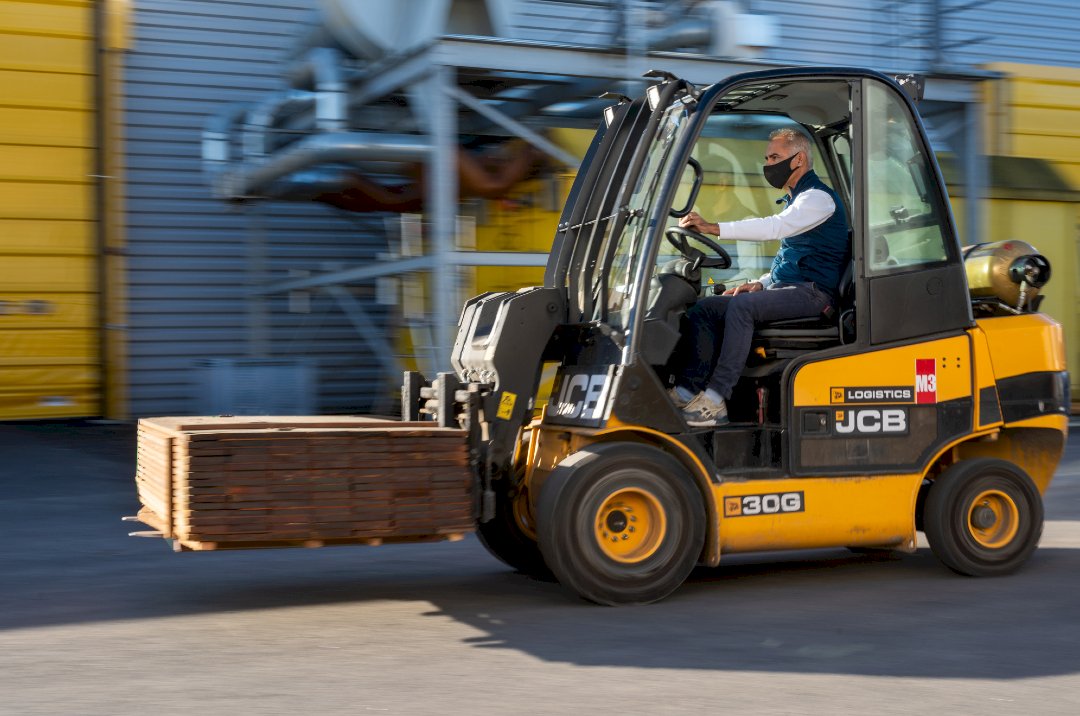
(49, 320)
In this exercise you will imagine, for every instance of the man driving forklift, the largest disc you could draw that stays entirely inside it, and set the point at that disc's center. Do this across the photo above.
(803, 281)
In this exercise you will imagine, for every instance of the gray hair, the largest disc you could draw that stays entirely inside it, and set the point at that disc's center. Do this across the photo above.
(797, 141)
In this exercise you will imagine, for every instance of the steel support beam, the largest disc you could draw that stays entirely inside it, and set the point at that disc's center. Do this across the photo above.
(441, 189)
(372, 336)
(351, 275)
(513, 126)
(975, 175)
(397, 267)
(576, 61)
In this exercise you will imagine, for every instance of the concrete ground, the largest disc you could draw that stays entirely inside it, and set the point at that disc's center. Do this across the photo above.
(95, 622)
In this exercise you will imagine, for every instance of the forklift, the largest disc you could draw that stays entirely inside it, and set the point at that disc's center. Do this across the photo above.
(933, 397)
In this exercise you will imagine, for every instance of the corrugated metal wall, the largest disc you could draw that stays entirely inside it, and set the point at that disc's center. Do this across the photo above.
(190, 257)
(574, 22)
(885, 34)
(897, 35)
(49, 327)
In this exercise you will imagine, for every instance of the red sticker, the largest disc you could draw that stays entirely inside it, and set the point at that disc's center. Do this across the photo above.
(925, 380)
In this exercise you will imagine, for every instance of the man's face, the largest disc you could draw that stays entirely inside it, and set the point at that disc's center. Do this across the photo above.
(777, 151)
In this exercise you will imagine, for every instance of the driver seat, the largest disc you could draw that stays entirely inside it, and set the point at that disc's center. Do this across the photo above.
(834, 326)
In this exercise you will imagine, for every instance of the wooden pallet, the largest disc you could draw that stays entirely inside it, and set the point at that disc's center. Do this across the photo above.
(242, 482)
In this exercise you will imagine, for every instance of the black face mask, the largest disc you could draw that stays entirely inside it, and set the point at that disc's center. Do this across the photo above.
(778, 174)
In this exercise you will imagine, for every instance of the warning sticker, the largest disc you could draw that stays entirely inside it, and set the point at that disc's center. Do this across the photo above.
(506, 405)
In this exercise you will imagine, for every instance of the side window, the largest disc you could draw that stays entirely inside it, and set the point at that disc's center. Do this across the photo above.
(905, 211)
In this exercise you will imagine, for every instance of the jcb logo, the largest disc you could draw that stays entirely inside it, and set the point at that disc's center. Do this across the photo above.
(872, 421)
(581, 396)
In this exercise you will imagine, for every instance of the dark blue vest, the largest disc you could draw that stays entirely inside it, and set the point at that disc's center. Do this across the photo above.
(817, 255)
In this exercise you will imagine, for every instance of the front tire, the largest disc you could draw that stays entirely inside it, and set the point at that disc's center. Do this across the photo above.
(983, 517)
(505, 538)
(620, 523)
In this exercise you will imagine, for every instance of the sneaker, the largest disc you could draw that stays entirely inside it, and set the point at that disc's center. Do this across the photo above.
(676, 396)
(701, 412)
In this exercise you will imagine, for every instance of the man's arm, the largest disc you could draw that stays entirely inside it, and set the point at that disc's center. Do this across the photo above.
(810, 208)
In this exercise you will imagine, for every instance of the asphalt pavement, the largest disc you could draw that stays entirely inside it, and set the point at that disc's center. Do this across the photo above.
(95, 622)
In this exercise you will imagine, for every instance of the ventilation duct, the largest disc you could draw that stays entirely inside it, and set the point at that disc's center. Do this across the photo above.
(373, 28)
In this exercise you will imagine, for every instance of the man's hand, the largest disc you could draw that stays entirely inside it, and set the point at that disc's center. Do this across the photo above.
(745, 288)
(694, 221)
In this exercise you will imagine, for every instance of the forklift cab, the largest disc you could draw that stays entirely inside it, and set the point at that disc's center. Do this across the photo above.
(632, 273)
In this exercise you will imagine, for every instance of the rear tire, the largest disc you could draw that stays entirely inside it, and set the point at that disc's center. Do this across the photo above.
(983, 517)
(620, 523)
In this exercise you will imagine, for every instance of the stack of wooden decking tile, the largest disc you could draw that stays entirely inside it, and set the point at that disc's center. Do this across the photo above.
(213, 483)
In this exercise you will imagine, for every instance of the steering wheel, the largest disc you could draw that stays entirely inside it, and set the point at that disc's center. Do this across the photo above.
(678, 236)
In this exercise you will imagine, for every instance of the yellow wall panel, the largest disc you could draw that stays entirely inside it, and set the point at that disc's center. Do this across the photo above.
(42, 309)
(1051, 73)
(1070, 170)
(63, 346)
(507, 278)
(48, 391)
(1045, 94)
(1045, 147)
(45, 164)
(48, 127)
(27, 274)
(70, 18)
(45, 201)
(44, 89)
(82, 376)
(41, 404)
(44, 237)
(1039, 120)
(45, 54)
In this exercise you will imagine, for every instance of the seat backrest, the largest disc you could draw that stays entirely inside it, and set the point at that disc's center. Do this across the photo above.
(845, 291)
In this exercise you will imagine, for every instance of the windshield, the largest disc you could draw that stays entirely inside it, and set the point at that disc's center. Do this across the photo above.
(730, 150)
(628, 250)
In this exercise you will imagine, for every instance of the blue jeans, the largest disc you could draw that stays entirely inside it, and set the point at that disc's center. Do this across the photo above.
(716, 342)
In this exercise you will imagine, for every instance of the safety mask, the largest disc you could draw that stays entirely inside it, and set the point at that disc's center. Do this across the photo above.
(778, 174)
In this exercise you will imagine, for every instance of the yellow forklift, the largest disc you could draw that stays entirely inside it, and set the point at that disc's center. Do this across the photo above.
(933, 398)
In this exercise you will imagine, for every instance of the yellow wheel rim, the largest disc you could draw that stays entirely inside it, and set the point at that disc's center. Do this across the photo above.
(993, 519)
(523, 514)
(630, 525)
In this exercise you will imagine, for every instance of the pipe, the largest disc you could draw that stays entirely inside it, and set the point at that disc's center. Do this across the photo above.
(321, 68)
(252, 178)
(687, 32)
(261, 118)
(307, 184)
(215, 138)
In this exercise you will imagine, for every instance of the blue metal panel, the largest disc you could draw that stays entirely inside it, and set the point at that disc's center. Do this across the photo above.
(882, 34)
(188, 254)
(573, 22)
(885, 34)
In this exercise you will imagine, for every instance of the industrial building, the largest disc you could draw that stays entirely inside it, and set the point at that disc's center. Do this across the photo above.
(160, 252)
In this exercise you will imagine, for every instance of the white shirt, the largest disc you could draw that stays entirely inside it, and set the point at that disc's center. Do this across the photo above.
(809, 209)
